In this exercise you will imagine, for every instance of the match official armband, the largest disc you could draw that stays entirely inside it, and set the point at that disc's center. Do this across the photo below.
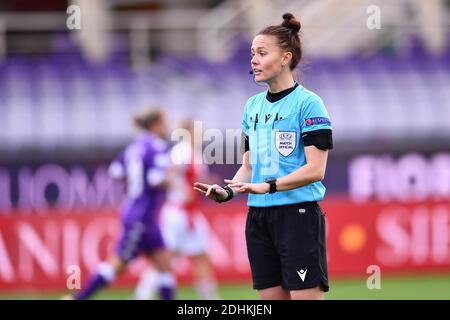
(322, 139)
(244, 143)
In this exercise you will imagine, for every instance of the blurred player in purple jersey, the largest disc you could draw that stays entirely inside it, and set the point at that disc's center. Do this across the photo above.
(143, 166)
(184, 228)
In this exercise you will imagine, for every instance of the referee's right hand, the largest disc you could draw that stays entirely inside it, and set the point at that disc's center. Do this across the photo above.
(212, 191)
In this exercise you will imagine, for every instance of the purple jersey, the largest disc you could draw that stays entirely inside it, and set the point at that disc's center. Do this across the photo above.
(143, 165)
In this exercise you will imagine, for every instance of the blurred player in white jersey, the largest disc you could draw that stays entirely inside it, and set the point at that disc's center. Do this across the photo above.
(184, 227)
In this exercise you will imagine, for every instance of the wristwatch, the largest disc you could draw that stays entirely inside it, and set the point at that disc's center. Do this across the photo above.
(273, 184)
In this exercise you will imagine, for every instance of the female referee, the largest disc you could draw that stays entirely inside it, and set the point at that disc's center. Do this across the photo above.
(286, 138)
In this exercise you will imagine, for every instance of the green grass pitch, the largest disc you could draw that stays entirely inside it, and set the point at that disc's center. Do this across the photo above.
(417, 287)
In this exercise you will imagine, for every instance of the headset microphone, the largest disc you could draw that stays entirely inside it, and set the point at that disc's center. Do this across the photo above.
(250, 72)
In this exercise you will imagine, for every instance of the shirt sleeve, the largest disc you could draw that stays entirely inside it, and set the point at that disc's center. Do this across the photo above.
(245, 131)
(316, 125)
(245, 122)
(158, 163)
(314, 116)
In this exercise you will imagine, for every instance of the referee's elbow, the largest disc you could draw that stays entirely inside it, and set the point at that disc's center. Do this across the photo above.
(319, 175)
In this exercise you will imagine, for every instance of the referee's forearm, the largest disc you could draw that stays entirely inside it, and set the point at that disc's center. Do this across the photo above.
(300, 177)
(244, 174)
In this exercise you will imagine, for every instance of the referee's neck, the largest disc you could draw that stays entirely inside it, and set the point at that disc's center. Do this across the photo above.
(282, 82)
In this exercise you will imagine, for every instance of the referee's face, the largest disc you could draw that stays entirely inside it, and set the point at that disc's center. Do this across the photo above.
(267, 58)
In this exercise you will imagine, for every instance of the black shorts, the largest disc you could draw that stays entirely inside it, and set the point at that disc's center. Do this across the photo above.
(286, 246)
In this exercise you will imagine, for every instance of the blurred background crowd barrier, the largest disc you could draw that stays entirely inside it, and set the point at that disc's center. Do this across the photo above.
(67, 93)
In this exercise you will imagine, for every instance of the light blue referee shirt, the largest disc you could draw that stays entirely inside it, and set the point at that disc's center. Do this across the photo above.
(275, 140)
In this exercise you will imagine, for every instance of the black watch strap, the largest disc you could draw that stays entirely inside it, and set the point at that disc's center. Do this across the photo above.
(273, 185)
(229, 196)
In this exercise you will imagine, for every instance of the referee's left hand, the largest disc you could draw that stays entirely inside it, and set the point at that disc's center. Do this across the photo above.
(244, 187)
(211, 191)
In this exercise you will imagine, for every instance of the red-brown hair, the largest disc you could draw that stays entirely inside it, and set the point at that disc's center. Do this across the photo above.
(287, 34)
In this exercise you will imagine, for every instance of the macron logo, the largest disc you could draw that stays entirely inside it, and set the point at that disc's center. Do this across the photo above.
(302, 274)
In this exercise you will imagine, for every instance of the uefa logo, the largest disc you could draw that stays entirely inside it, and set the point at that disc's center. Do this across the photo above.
(286, 136)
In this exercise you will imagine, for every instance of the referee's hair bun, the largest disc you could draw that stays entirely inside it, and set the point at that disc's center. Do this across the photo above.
(290, 22)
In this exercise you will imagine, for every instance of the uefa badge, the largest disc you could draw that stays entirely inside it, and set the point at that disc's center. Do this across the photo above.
(285, 142)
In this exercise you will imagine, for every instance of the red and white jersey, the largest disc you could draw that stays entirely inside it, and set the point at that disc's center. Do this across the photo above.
(187, 172)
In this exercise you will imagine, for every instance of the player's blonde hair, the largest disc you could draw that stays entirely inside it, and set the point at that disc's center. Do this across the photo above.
(147, 118)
